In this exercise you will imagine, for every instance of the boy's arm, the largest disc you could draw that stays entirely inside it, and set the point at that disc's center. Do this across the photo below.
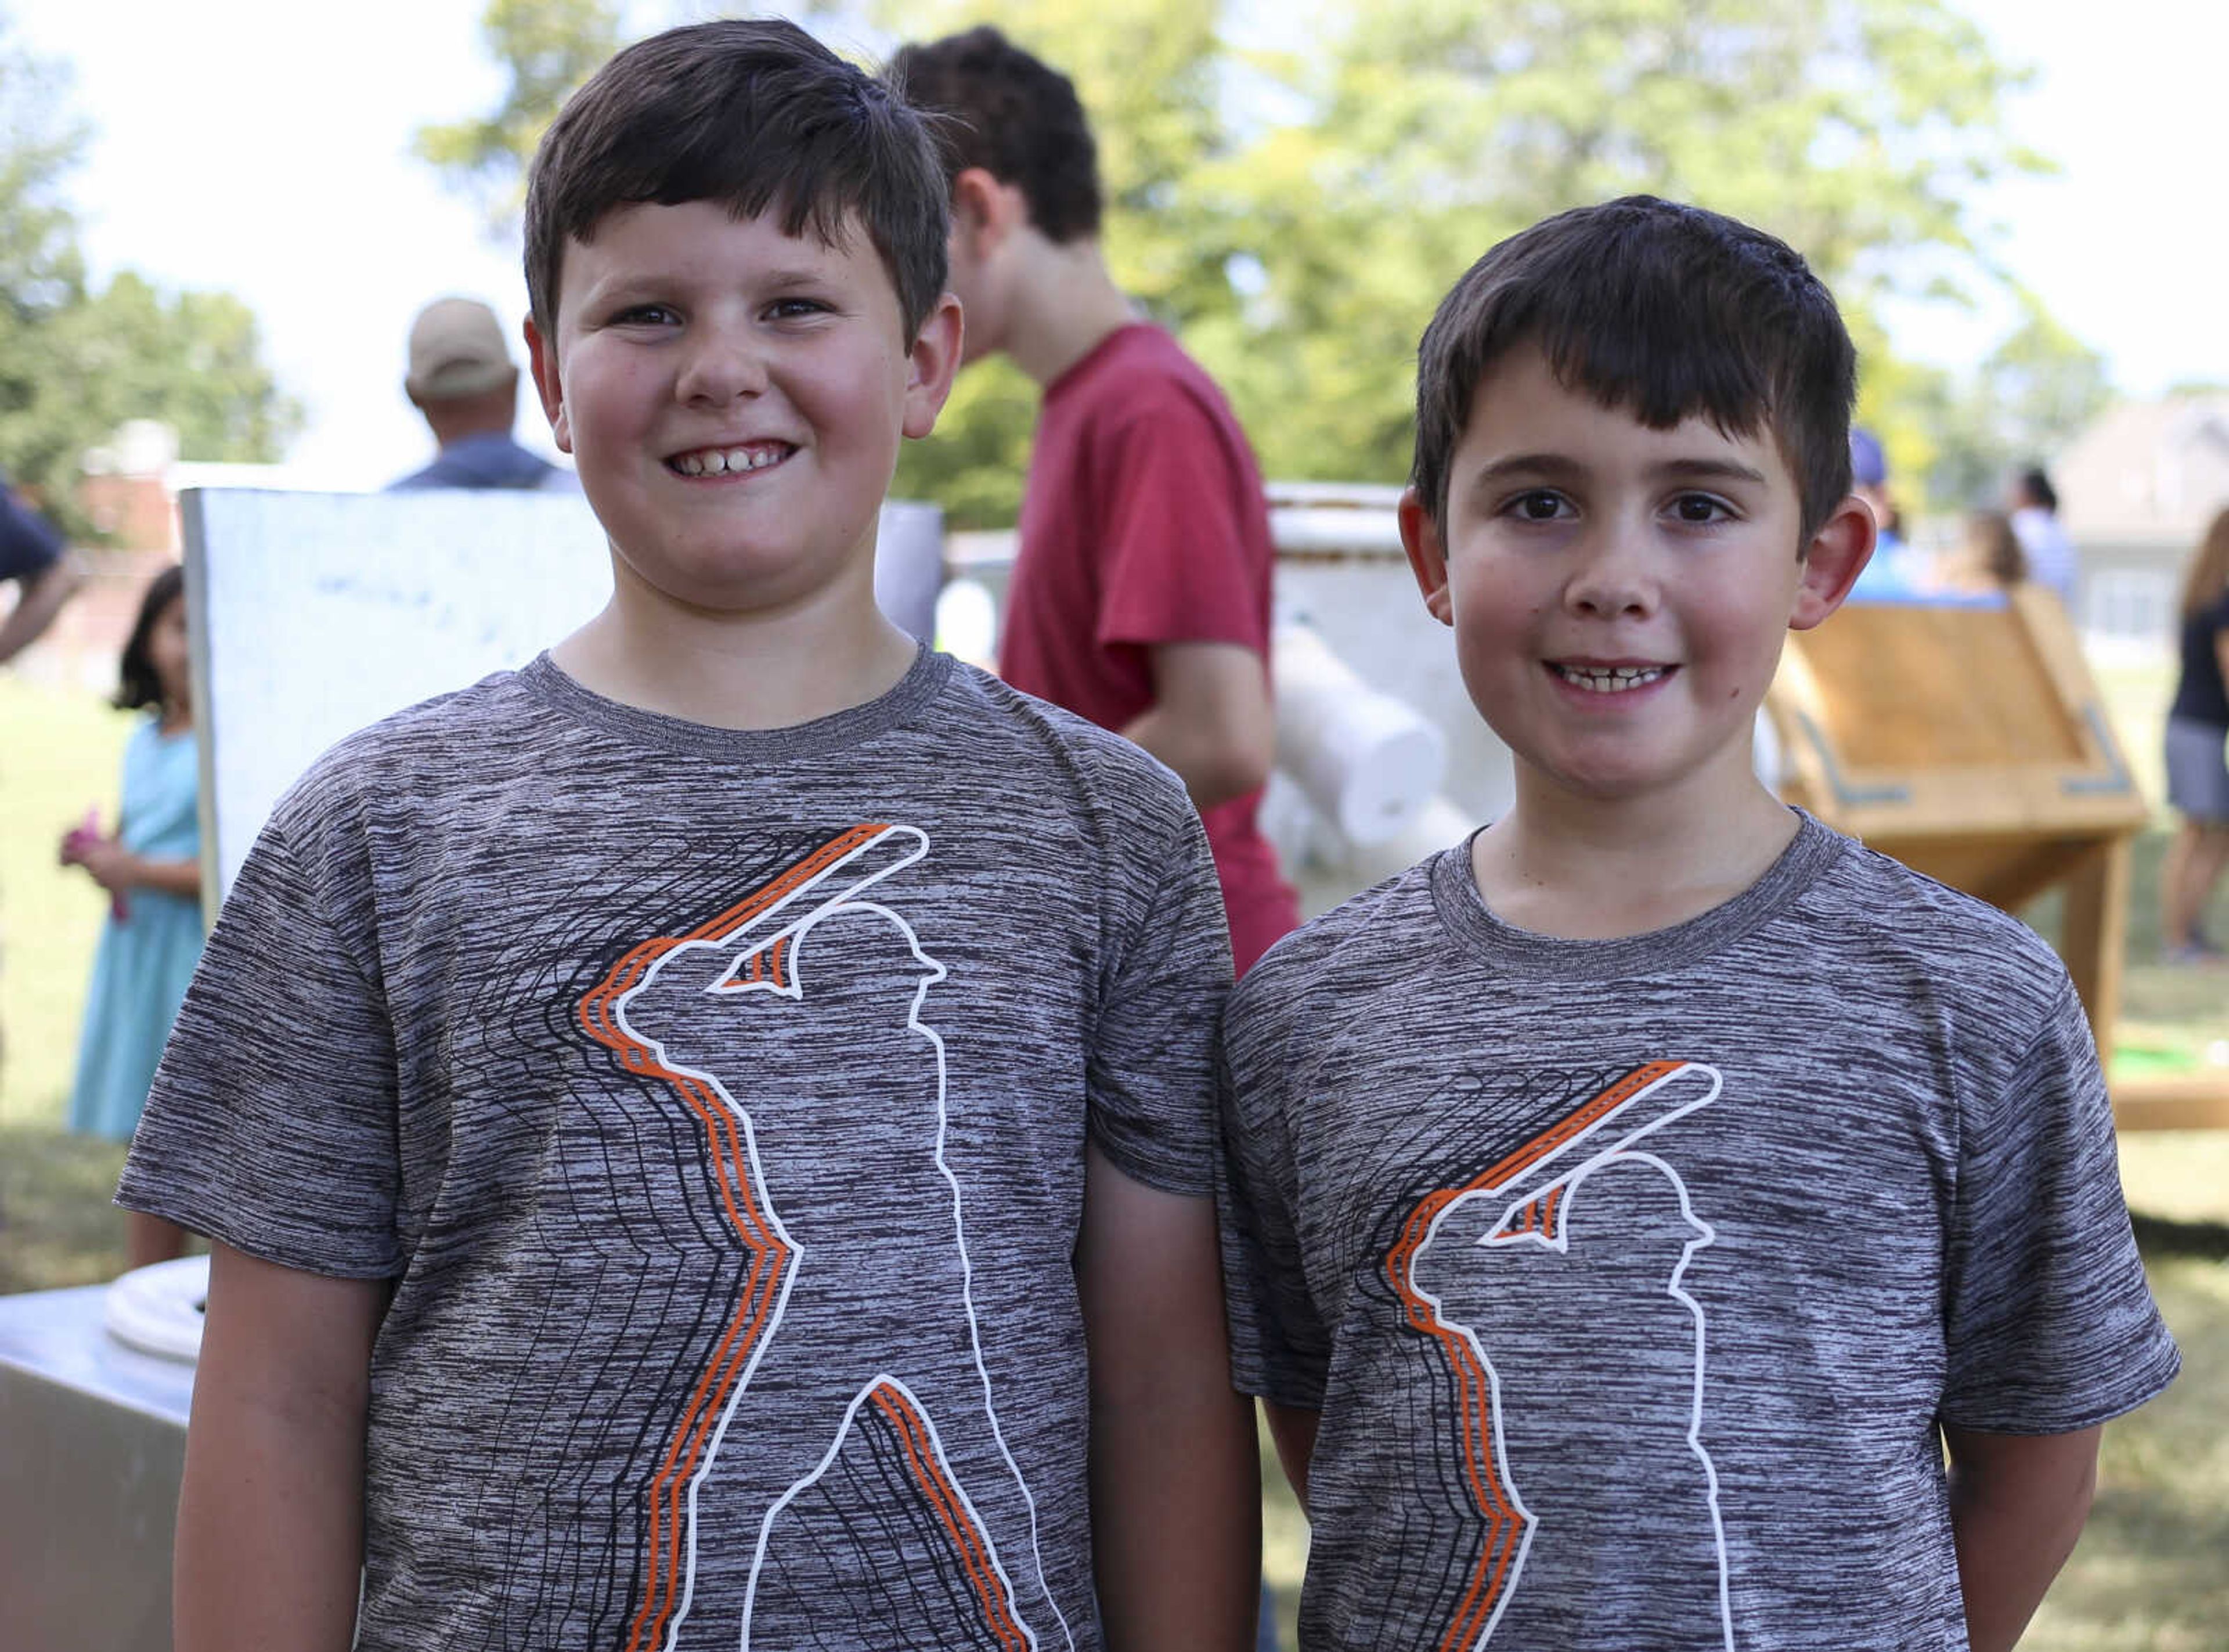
(38, 599)
(1175, 1480)
(1293, 1429)
(2017, 1504)
(270, 1541)
(1210, 720)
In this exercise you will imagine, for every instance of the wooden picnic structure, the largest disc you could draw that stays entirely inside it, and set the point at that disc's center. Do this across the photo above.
(1969, 740)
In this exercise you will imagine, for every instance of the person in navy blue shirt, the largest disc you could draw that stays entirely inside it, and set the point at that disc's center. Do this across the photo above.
(34, 554)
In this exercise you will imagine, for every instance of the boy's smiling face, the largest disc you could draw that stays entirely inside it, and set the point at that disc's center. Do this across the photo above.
(734, 398)
(1619, 594)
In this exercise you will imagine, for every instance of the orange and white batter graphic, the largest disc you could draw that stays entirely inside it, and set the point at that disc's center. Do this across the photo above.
(790, 1025)
(1551, 1283)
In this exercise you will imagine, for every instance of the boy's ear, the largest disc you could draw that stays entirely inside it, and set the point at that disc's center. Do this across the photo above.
(984, 210)
(930, 365)
(1838, 553)
(542, 357)
(1428, 561)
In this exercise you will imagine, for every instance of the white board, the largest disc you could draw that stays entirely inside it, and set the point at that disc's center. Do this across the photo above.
(313, 615)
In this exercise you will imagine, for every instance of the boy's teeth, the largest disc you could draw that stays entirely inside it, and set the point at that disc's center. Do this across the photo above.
(1609, 679)
(717, 461)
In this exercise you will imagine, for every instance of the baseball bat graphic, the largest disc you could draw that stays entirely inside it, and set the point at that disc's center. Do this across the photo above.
(1677, 1092)
(856, 862)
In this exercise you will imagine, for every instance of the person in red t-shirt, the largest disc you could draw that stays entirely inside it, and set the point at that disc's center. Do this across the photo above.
(1141, 594)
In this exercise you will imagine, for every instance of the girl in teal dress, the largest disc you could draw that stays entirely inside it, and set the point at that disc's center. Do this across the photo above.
(151, 869)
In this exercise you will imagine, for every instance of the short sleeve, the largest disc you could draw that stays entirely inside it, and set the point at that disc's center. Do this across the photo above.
(2049, 1326)
(1280, 1348)
(272, 1121)
(1151, 1064)
(28, 544)
(1177, 559)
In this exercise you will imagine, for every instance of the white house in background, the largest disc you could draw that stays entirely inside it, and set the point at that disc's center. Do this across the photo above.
(2136, 490)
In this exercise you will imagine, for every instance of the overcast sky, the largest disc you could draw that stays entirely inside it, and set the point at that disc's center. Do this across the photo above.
(261, 147)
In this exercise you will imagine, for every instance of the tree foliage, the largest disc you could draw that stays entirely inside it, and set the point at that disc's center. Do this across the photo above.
(1294, 210)
(76, 360)
(2033, 393)
(1856, 129)
(546, 48)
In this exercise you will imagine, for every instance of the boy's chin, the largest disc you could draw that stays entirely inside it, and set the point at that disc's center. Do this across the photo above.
(1723, 779)
(744, 582)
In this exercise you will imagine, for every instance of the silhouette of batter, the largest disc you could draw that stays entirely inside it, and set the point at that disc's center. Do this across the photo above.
(1571, 1297)
(791, 1027)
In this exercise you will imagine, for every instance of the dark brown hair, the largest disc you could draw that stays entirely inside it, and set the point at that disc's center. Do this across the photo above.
(1666, 311)
(136, 683)
(757, 115)
(1994, 549)
(1017, 118)
(2034, 488)
(2208, 579)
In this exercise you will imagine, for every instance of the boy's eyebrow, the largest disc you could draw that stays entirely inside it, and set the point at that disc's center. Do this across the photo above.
(795, 275)
(1501, 470)
(1722, 469)
(1559, 466)
(629, 283)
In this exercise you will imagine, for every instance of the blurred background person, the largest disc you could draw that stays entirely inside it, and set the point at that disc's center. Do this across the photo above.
(463, 381)
(151, 869)
(46, 572)
(1888, 576)
(2197, 776)
(2034, 507)
(1989, 557)
(1140, 596)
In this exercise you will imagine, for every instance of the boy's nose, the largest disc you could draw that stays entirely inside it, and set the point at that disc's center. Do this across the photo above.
(1615, 572)
(723, 364)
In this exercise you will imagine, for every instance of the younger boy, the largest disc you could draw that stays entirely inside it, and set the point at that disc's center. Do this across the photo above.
(689, 1124)
(1628, 1208)
(1140, 591)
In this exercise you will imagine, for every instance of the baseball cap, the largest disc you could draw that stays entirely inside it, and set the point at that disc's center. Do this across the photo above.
(456, 350)
(1868, 464)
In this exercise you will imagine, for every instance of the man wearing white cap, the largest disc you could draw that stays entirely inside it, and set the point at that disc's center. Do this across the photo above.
(462, 379)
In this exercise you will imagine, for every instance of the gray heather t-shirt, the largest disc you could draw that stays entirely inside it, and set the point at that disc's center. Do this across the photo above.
(1632, 1277)
(716, 1103)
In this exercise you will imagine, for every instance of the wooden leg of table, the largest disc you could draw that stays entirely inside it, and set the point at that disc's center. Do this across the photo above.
(2096, 930)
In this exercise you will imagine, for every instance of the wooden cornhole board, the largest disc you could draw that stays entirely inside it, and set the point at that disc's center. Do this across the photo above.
(1969, 741)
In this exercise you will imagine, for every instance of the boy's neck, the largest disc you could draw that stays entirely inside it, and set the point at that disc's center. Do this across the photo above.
(726, 671)
(1584, 870)
(1066, 306)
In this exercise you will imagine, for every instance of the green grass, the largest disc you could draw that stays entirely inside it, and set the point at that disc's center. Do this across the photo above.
(2149, 1575)
(61, 752)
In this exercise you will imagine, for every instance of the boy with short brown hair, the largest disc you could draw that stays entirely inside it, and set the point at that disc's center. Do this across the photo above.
(709, 1136)
(1628, 1208)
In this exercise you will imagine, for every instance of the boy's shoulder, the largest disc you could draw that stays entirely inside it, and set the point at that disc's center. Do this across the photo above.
(1145, 376)
(1105, 771)
(1373, 938)
(1878, 927)
(414, 752)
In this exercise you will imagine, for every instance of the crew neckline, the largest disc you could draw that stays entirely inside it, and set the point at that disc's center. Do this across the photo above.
(545, 680)
(1473, 926)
